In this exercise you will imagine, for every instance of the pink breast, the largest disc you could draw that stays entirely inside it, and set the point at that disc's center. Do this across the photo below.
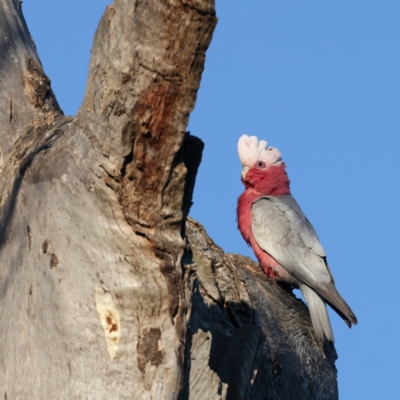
(268, 264)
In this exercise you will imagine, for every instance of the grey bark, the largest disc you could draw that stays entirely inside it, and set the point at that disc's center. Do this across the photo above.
(107, 290)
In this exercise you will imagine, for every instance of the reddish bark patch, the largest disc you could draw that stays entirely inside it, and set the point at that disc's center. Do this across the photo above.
(148, 349)
(146, 174)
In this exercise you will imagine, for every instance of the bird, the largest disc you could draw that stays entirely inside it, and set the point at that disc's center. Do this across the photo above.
(282, 238)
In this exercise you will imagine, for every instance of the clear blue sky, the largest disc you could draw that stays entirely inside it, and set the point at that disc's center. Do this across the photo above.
(320, 80)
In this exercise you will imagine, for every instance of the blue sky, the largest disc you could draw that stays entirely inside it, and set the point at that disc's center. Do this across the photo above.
(320, 81)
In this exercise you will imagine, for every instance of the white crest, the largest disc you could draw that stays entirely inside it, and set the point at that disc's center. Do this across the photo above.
(251, 151)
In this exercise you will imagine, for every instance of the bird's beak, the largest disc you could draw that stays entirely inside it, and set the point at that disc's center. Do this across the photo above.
(245, 170)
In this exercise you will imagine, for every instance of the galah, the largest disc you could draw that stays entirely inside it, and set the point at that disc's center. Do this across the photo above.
(282, 238)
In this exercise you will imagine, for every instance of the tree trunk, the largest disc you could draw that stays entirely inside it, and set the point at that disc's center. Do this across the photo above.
(107, 289)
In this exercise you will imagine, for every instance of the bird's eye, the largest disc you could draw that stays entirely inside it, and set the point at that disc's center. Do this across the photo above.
(261, 164)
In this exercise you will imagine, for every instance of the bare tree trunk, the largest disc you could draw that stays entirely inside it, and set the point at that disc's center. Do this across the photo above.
(107, 291)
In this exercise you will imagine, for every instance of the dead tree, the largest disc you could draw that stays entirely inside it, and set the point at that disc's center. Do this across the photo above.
(107, 289)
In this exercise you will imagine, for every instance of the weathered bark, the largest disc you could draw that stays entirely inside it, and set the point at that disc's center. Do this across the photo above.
(105, 290)
(248, 337)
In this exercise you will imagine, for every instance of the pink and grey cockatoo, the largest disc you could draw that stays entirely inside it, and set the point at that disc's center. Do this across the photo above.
(282, 238)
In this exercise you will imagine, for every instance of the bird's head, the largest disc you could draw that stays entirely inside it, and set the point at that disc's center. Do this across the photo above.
(263, 168)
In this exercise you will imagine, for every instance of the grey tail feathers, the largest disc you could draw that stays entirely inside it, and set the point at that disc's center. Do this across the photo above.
(319, 313)
(333, 298)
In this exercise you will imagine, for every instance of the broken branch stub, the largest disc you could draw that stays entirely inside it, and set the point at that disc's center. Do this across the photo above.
(141, 89)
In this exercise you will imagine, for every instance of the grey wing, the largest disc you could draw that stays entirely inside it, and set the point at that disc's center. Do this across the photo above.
(283, 231)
